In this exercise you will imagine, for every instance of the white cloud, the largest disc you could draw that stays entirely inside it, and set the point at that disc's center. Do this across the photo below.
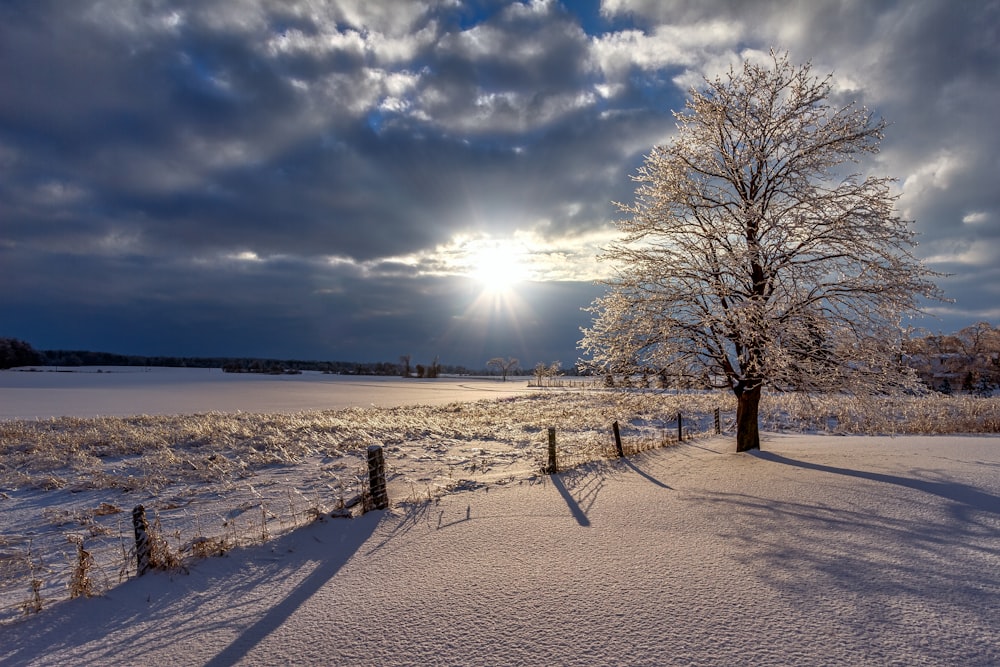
(295, 41)
(126, 17)
(389, 49)
(120, 240)
(968, 253)
(703, 49)
(667, 46)
(389, 17)
(59, 193)
(382, 48)
(506, 111)
(976, 217)
(937, 173)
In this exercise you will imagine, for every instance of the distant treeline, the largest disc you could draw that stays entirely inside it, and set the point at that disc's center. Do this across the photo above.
(14, 352)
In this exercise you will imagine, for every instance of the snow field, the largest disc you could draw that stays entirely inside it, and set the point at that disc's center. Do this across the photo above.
(817, 551)
(226, 482)
(214, 481)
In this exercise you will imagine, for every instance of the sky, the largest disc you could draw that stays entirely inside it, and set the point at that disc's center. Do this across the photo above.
(364, 180)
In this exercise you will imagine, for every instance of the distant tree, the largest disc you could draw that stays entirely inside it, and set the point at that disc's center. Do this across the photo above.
(972, 354)
(15, 352)
(503, 366)
(750, 256)
(404, 360)
(543, 371)
(984, 387)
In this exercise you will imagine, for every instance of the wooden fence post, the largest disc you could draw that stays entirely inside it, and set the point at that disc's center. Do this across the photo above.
(376, 477)
(141, 539)
(680, 428)
(718, 422)
(551, 467)
(618, 440)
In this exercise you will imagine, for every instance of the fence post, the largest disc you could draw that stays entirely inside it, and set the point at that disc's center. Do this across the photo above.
(718, 422)
(618, 440)
(680, 428)
(141, 539)
(376, 477)
(551, 467)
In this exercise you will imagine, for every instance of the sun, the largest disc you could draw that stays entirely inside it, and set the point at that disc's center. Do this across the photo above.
(497, 266)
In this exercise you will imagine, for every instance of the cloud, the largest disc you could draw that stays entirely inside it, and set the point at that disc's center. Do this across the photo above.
(976, 218)
(302, 174)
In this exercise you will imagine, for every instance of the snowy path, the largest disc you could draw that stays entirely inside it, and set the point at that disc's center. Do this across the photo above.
(820, 550)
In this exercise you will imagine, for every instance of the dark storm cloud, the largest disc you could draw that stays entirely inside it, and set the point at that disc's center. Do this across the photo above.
(295, 178)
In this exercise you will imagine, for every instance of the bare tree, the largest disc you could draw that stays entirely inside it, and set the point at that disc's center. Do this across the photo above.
(543, 371)
(404, 361)
(751, 256)
(504, 366)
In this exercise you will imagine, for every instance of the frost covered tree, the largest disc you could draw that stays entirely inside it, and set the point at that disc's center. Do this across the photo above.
(543, 370)
(753, 257)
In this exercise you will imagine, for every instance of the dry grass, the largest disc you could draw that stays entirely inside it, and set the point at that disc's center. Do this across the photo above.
(935, 414)
(81, 582)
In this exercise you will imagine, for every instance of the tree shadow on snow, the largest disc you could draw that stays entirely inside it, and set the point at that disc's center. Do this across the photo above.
(906, 559)
(968, 496)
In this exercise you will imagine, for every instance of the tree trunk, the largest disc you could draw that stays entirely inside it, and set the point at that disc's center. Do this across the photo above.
(747, 402)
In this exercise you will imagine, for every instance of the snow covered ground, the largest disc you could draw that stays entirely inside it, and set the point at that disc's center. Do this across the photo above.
(214, 480)
(819, 550)
(122, 391)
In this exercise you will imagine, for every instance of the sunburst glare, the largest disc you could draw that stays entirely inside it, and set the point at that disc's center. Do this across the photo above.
(498, 266)
(497, 273)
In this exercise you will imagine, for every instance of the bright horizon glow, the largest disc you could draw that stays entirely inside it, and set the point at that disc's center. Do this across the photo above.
(498, 266)
(497, 269)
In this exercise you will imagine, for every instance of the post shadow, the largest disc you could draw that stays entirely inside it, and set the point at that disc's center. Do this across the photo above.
(280, 612)
(645, 474)
(574, 507)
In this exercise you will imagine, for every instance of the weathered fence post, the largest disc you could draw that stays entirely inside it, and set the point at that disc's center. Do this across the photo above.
(376, 477)
(141, 539)
(618, 440)
(680, 428)
(718, 422)
(551, 467)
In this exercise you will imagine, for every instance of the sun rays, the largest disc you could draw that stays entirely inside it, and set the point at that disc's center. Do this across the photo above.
(497, 266)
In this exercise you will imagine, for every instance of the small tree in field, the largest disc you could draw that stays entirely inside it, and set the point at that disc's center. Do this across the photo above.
(750, 257)
(543, 370)
(504, 366)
